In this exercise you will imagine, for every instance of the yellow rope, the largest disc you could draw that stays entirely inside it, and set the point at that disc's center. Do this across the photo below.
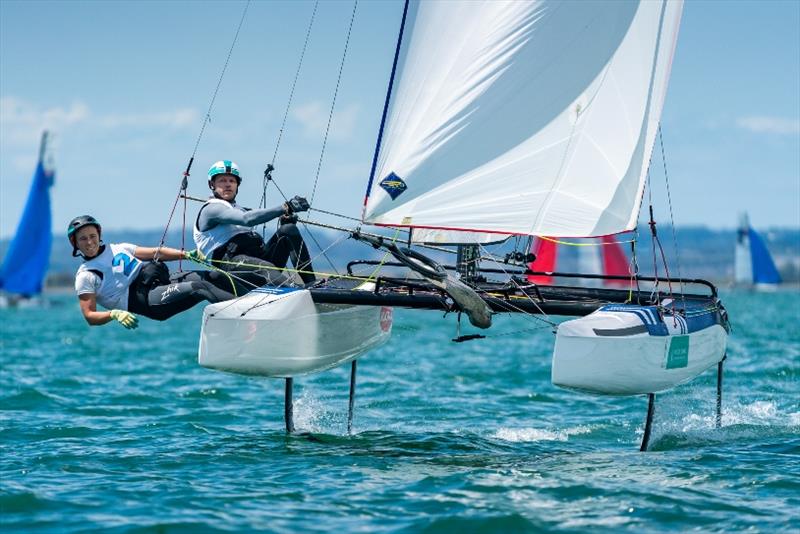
(600, 244)
(383, 260)
(274, 268)
(217, 269)
(597, 244)
(208, 262)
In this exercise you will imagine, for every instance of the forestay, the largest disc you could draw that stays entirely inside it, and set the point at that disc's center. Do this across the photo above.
(530, 118)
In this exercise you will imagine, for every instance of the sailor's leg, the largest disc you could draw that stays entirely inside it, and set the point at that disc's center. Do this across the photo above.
(648, 424)
(288, 243)
(227, 283)
(204, 286)
(258, 268)
(165, 301)
(288, 406)
(351, 402)
(719, 392)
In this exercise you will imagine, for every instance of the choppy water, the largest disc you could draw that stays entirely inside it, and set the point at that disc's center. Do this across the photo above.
(105, 429)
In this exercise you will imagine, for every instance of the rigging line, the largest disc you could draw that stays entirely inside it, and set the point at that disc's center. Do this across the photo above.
(649, 186)
(206, 120)
(656, 241)
(590, 244)
(263, 202)
(511, 278)
(324, 253)
(336, 214)
(230, 276)
(383, 260)
(294, 83)
(183, 235)
(511, 308)
(262, 302)
(207, 117)
(169, 220)
(305, 224)
(517, 332)
(287, 269)
(286, 281)
(333, 103)
(671, 217)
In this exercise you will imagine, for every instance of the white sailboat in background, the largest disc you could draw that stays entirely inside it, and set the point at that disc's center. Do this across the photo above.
(754, 267)
(505, 119)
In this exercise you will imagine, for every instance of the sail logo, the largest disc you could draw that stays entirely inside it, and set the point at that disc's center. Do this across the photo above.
(678, 353)
(394, 185)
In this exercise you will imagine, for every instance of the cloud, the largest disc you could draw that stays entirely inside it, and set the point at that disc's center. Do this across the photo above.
(772, 125)
(23, 121)
(179, 118)
(313, 117)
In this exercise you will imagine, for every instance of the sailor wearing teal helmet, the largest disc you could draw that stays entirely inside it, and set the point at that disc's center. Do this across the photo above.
(124, 279)
(223, 232)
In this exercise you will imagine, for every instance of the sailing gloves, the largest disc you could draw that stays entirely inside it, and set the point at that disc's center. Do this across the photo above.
(126, 318)
(296, 205)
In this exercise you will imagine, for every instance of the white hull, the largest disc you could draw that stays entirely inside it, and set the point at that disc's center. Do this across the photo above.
(632, 364)
(287, 334)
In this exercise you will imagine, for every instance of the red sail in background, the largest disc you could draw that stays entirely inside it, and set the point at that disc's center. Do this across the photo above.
(545, 252)
(614, 261)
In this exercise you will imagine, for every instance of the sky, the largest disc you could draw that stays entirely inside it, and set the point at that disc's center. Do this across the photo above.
(125, 87)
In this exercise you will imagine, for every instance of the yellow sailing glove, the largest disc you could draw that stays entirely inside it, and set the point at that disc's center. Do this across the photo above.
(127, 319)
(195, 256)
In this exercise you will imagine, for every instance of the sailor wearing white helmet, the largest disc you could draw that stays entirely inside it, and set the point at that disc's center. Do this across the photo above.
(223, 231)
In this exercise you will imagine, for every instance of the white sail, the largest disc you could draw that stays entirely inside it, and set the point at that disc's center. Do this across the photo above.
(743, 264)
(435, 236)
(530, 118)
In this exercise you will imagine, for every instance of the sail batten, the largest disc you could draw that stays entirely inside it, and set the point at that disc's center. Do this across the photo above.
(524, 118)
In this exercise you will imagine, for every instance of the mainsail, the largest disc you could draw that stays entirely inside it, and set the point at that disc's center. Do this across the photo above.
(27, 257)
(527, 118)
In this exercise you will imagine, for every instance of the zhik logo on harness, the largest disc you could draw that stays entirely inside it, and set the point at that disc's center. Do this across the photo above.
(394, 185)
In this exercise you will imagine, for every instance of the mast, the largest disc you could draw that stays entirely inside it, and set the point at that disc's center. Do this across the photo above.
(386, 105)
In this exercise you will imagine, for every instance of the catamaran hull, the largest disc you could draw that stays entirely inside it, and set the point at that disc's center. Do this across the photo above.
(284, 333)
(608, 353)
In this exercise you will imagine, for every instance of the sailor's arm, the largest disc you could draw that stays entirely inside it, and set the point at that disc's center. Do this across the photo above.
(216, 214)
(164, 253)
(88, 304)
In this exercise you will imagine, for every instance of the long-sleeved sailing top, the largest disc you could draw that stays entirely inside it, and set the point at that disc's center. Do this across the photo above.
(219, 221)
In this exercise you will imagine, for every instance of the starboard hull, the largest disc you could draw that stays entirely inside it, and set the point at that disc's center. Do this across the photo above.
(284, 333)
(613, 353)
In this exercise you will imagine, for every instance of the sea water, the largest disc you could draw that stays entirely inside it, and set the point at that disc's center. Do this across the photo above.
(104, 429)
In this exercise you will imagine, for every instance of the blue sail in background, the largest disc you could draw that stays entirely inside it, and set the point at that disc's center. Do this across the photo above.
(28, 255)
(764, 270)
(753, 265)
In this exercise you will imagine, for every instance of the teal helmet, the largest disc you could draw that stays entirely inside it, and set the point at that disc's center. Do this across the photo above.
(224, 167)
(76, 224)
